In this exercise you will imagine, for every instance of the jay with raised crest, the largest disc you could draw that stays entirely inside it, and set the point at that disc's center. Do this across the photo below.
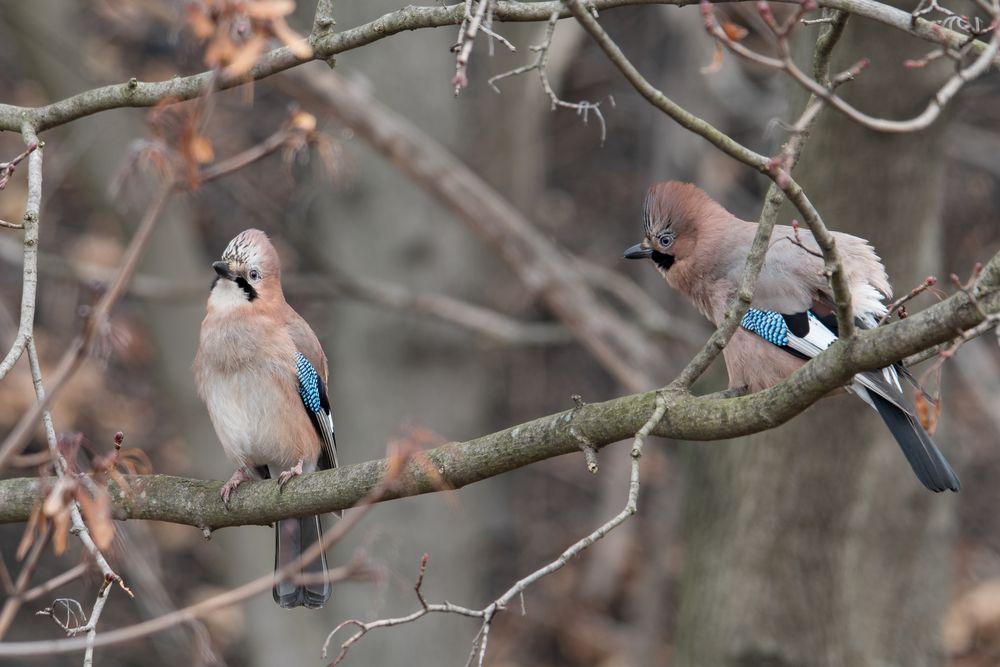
(700, 248)
(262, 374)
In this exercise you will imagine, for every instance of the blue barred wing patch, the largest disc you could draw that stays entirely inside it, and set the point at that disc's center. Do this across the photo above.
(308, 382)
(767, 324)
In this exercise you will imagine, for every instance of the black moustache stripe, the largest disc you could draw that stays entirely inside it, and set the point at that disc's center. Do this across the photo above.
(246, 287)
(663, 260)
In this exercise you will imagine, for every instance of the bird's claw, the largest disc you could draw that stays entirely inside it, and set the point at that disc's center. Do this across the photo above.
(238, 478)
(286, 475)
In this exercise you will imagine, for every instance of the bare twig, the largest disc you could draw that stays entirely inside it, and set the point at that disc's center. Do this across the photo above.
(583, 108)
(7, 168)
(488, 613)
(29, 281)
(55, 582)
(228, 598)
(897, 305)
(786, 63)
(471, 23)
(13, 603)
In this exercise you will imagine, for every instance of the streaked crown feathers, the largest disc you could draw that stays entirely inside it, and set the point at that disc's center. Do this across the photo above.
(252, 248)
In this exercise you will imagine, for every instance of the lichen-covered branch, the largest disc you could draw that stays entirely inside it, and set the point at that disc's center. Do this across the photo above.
(457, 464)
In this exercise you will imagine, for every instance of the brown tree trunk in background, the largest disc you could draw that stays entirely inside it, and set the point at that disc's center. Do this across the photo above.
(813, 544)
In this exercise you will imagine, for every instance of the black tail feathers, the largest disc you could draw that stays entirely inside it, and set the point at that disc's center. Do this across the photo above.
(291, 538)
(927, 461)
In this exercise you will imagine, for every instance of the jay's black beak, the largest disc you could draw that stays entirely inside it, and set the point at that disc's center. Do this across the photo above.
(638, 252)
(222, 269)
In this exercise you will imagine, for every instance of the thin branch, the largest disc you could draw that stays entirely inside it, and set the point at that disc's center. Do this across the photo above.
(29, 282)
(501, 603)
(583, 108)
(897, 305)
(471, 23)
(824, 92)
(55, 582)
(13, 603)
(95, 326)
(328, 44)
(490, 325)
(7, 168)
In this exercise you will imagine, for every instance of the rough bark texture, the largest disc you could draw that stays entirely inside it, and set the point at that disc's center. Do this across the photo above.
(813, 544)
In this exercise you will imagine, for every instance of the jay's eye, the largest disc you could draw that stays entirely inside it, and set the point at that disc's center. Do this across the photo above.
(666, 239)
(254, 274)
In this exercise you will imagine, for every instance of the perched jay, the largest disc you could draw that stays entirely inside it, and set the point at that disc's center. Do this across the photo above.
(262, 374)
(700, 249)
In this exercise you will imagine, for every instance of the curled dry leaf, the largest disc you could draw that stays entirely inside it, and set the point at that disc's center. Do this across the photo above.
(736, 33)
(716, 63)
(928, 412)
(60, 532)
(36, 526)
(96, 512)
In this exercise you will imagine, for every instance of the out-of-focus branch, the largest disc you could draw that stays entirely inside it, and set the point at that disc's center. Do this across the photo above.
(17, 596)
(457, 464)
(491, 325)
(544, 269)
(649, 314)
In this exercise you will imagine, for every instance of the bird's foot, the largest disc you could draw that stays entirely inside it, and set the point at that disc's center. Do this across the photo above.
(241, 475)
(294, 471)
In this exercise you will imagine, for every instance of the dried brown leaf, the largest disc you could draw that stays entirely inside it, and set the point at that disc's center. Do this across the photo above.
(36, 522)
(293, 40)
(201, 25)
(244, 57)
(735, 32)
(60, 532)
(928, 412)
(97, 515)
(267, 10)
(201, 150)
(716, 63)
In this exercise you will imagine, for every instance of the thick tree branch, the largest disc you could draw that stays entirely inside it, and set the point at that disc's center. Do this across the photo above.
(328, 44)
(457, 464)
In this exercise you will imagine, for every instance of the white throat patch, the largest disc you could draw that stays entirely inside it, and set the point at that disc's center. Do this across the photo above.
(227, 295)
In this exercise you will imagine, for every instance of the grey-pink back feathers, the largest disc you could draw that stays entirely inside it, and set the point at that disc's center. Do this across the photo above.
(708, 246)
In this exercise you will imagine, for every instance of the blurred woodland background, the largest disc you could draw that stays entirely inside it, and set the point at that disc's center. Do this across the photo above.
(810, 544)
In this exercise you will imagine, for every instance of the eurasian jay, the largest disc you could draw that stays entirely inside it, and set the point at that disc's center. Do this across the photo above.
(700, 248)
(262, 374)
